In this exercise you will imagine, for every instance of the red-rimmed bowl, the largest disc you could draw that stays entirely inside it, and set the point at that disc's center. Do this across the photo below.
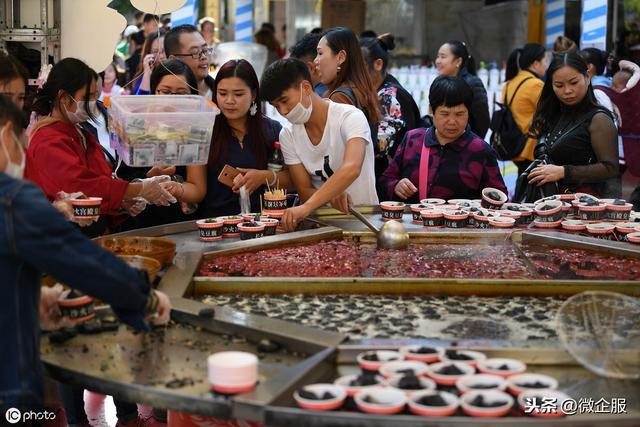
(489, 202)
(502, 222)
(392, 369)
(501, 367)
(542, 224)
(481, 382)
(76, 306)
(338, 392)
(602, 230)
(520, 383)
(463, 203)
(251, 230)
(248, 217)
(445, 379)
(274, 204)
(469, 357)
(531, 403)
(416, 210)
(345, 382)
(392, 211)
(452, 404)
(420, 353)
(468, 399)
(591, 213)
(88, 208)
(232, 372)
(432, 217)
(210, 229)
(434, 201)
(456, 219)
(634, 237)
(230, 225)
(425, 383)
(574, 225)
(566, 197)
(383, 356)
(270, 225)
(618, 212)
(382, 401)
(482, 218)
(548, 211)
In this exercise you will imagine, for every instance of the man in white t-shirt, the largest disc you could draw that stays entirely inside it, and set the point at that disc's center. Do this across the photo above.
(328, 148)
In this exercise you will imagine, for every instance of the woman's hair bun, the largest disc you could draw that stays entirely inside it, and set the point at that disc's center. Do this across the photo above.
(388, 41)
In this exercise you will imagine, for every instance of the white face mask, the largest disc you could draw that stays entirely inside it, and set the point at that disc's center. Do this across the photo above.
(80, 114)
(299, 115)
(14, 170)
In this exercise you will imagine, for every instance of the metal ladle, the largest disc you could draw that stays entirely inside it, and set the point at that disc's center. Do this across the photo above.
(392, 235)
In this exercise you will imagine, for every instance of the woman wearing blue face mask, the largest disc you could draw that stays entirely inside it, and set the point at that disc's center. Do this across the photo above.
(63, 157)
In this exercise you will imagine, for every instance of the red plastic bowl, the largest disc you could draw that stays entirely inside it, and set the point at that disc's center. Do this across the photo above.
(491, 395)
(434, 411)
(394, 401)
(322, 405)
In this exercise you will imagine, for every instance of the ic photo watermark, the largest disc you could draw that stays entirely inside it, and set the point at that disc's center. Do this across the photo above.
(15, 416)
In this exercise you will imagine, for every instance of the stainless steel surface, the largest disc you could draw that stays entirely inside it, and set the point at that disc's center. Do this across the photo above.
(364, 220)
(573, 380)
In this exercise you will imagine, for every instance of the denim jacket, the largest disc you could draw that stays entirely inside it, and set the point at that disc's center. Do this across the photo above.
(36, 238)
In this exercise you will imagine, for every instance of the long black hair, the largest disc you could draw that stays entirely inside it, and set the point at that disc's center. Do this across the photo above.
(522, 58)
(596, 57)
(256, 125)
(459, 50)
(549, 106)
(173, 67)
(69, 76)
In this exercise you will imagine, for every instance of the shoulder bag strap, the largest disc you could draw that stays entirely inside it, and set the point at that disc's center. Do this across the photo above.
(423, 184)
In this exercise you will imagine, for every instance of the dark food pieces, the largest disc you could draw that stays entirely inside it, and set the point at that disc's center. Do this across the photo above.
(310, 395)
(480, 402)
(423, 350)
(546, 207)
(363, 380)
(267, 346)
(536, 384)
(455, 355)
(432, 400)
(450, 370)
(619, 202)
(504, 367)
(493, 195)
(481, 386)
(410, 382)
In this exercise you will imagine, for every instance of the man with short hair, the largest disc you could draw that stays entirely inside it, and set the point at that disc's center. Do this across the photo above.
(328, 150)
(306, 51)
(185, 43)
(150, 24)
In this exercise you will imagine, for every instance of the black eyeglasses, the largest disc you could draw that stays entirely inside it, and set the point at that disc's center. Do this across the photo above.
(197, 55)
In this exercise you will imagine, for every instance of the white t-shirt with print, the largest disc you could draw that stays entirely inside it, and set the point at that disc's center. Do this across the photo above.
(344, 122)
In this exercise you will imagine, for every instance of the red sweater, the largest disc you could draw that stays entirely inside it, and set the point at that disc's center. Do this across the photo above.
(56, 161)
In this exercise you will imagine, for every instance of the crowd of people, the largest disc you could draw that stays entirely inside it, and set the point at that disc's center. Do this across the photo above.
(355, 136)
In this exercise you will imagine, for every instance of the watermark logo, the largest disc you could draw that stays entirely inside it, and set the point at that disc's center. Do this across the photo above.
(13, 415)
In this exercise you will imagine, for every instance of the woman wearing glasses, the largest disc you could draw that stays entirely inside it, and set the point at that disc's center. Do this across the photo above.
(185, 43)
(152, 54)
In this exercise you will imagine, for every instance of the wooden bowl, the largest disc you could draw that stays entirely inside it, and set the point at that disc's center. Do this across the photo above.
(162, 250)
(150, 265)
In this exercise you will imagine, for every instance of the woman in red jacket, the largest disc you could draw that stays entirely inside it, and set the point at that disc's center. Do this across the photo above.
(62, 157)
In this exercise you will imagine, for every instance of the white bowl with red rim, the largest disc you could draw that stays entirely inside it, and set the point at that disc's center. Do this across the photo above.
(502, 222)
(524, 382)
(425, 384)
(452, 403)
(542, 224)
(382, 356)
(248, 217)
(270, 225)
(416, 210)
(469, 357)
(601, 230)
(432, 217)
(468, 400)
(230, 225)
(543, 403)
(634, 237)
(501, 366)
(548, 211)
(433, 201)
(455, 218)
(420, 353)
(251, 230)
(210, 229)
(87, 208)
(491, 202)
(591, 213)
(434, 373)
(346, 380)
(481, 382)
(574, 225)
(547, 199)
(566, 197)
(392, 211)
(620, 211)
(76, 306)
(338, 392)
(393, 369)
(232, 372)
(466, 203)
(382, 401)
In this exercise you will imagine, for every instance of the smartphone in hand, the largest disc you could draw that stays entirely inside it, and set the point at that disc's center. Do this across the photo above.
(227, 175)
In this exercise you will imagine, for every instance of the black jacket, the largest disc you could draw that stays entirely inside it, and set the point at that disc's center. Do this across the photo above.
(479, 119)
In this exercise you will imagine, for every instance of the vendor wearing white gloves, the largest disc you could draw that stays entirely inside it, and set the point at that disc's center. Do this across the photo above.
(62, 157)
(36, 238)
(328, 150)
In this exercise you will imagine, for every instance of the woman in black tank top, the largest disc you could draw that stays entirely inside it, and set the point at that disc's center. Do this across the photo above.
(575, 134)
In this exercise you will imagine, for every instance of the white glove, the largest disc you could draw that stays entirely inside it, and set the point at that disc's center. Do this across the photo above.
(63, 204)
(135, 206)
(153, 192)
